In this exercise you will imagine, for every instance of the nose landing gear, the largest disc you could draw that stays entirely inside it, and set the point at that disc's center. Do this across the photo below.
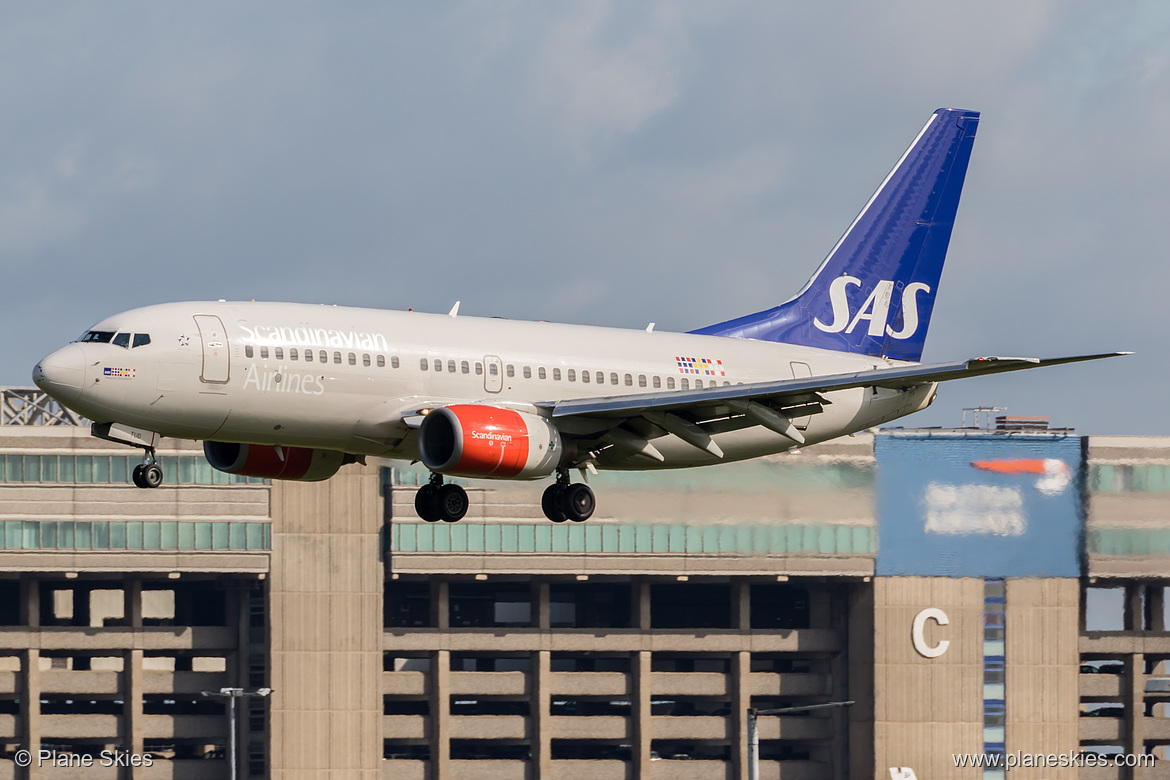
(436, 501)
(563, 500)
(148, 474)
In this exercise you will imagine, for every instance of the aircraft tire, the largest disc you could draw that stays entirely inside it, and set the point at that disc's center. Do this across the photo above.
(152, 476)
(451, 503)
(425, 504)
(577, 502)
(550, 502)
(137, 475)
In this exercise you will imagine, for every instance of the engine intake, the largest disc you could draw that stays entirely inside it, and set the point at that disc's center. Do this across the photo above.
(472, 440)
(271, 462)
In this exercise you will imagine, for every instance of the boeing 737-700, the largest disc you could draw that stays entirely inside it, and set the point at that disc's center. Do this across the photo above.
(295, 391)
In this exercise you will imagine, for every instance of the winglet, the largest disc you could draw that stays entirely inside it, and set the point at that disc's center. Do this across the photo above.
(454, 310)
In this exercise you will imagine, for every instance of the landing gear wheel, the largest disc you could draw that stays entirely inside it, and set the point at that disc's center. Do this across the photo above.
(577, 502)
(425, 503)
(152, 476)
(148, 475)
(549, 502)
(451, 503)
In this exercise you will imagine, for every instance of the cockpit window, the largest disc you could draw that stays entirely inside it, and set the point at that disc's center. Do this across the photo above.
(141, 339)
(100, 336)
(122, 340)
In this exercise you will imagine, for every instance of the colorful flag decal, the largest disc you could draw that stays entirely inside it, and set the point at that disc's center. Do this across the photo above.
(701, 366)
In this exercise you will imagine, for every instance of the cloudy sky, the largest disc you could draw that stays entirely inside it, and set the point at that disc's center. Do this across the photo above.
(592, 162)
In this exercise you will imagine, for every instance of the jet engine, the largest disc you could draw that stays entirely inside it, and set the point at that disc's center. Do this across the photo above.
(274, 462)
(471, 440)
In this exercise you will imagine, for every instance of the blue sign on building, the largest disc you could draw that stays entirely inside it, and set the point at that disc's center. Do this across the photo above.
(978, 505)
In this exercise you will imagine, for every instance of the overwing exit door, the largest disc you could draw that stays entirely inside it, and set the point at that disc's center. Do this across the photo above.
(493, 374)
(213, 336)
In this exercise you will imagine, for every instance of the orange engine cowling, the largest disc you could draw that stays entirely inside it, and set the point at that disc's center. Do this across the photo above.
(271, 462)
(471, 440)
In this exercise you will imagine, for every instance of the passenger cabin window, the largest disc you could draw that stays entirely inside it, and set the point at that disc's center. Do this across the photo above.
(511, 369)
(278, 353)
(613, 379)
(264, 352)
(438, 364)
(423, 364)
(465, 367)
(630, 381)
(248, 352)
(382, 361)
(292, 353)
(337, 358)
(698, 383)
(122, 340)
(585, 377)
(657, 382)
(366, 361)
(323, 356)
(494, 370)
(100, 336)
(686, 385)
(527, 372)
(572, 375)
(601, 378)
(670, 383)
(141, 339)
(353, 359)
(540, 373)
(308, 356)
(451, 366)
(478, 369)
(393, 361)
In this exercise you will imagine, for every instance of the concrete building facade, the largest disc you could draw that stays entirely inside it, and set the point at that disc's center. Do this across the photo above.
(954, 604)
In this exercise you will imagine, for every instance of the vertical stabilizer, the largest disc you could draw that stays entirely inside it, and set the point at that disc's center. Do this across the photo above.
(875, 292)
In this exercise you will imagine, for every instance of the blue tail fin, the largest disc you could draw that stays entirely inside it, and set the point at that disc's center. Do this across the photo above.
(874, 293)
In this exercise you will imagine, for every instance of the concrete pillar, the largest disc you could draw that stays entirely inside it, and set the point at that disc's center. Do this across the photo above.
(640, 668)
(741, 700)
(1133, 607)
(839, 674)
(640, 609)
(541, 608)
(741, 605)
(133, 720)
(440, 606)
(1135, 735)
(132, 595)
(30, 706)
(440, 714)
(30, 602)
(540, 693)
(1155, 608)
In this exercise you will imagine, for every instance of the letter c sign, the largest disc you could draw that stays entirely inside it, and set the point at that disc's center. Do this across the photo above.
(918, 632)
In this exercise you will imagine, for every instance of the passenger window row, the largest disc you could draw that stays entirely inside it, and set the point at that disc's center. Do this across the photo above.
(322, 356)
(587, 377)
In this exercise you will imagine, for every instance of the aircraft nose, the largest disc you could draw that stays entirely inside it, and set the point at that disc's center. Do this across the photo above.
(62, 373)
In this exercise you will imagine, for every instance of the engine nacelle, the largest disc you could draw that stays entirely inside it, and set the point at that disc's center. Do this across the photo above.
(471, 440)
(271, 462)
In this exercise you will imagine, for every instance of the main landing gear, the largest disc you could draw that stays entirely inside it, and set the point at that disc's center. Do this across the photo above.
(436, 501)
(148, 474)
(563, 500)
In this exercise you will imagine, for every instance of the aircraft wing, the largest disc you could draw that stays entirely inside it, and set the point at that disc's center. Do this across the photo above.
(792, 392)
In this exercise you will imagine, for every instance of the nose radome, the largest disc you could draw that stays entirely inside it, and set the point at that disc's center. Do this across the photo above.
(62, 373)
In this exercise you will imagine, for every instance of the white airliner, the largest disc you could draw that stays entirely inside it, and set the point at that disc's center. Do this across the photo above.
(294, 391)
